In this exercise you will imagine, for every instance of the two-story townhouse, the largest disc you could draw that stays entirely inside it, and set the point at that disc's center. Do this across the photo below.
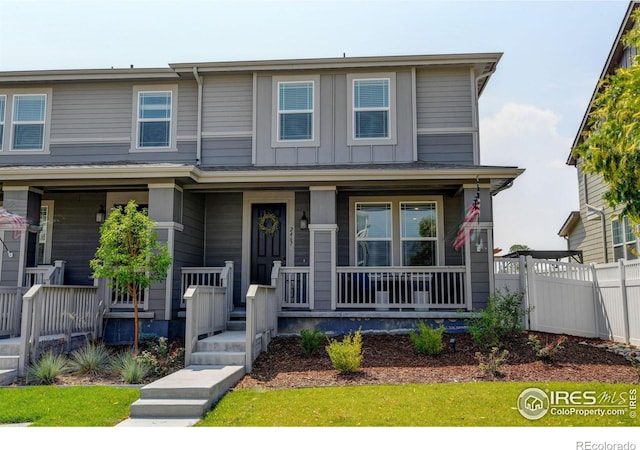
(352, 174)
(595, 228)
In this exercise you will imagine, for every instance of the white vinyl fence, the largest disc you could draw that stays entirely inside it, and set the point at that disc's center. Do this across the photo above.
(581, 300)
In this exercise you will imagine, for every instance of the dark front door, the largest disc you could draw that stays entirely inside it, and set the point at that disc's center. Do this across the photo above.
(268, 240)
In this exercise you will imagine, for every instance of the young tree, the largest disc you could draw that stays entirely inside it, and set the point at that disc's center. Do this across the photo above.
(129, 254)
(611, 146)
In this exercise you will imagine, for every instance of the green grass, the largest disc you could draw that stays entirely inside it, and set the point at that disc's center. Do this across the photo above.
(76, 406)
(441, 405)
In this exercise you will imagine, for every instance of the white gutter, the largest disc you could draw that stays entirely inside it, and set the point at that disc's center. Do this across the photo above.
(199, 129)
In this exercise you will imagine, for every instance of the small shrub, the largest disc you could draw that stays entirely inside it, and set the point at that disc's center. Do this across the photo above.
(501, 319)
(310, 341)
(546, 352)
(427, 340)
(91, 359)
(346, 356)
(47, 368)
(130, 368)
(490, 364)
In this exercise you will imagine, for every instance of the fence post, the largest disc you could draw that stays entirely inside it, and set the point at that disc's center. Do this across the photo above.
(596, 297)
(623, 293)
(25, 332)
(531, 292)
(228, 283)
(522, 273)
(251, 327)
(191, 327)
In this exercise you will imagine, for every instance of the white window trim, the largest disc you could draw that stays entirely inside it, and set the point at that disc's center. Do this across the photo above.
(624, 243)
(379, 239)
(419, 239)
(392, 138)
(396, 233)
(173, 120)
(46, 257)
(3, 121)
(275, 112)
(7, 137)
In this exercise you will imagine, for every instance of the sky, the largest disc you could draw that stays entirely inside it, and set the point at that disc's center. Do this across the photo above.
(530, 111)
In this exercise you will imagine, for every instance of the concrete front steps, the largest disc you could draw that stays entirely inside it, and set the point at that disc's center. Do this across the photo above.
(9, 359)
(184, 397)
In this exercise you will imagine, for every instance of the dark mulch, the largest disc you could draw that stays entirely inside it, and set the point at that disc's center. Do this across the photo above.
(392, 359)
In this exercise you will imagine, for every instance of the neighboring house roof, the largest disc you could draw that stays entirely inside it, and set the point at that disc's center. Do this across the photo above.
(547, 254)
(609, 68)
(485, 64)
(567, 226)
(500, 177)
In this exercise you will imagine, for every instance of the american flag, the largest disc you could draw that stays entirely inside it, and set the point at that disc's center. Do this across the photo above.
(467, 225)
(14, 222)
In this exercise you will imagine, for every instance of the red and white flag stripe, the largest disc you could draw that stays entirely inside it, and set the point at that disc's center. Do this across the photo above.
(466, 228)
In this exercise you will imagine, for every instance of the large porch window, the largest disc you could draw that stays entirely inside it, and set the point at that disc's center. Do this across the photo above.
(397, 231)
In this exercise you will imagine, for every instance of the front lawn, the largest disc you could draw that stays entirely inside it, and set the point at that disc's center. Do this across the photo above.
(475, 404)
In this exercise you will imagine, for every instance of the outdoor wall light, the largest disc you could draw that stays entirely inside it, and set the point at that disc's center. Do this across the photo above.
(100, 215)
(452, 341)
(304, 222)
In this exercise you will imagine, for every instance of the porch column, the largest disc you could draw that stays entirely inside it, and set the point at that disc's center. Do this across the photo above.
(323, 231)
(165, 208)
(479, 249)
(21, 245)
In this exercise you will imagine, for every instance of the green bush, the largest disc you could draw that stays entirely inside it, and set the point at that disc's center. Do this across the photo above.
(311, 340)
(92, 359)
(427, 340)
(346, 356)
(47, 368)
(501, 319)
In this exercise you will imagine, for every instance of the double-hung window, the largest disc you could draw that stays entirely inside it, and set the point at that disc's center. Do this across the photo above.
(154, 119)
(373, 234)
(625, 241)
(419, 233)
(371, 105)
(296, 119)
(295, 111)
(3, 109)
(28, 121)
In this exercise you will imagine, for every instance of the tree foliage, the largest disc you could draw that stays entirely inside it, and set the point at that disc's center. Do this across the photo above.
(130, 255)
(611, 144)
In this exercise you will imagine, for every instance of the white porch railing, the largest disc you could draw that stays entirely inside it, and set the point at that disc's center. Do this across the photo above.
(207, 313)
(262, 318)
(45, 274)
(209, 276)
(292, 286)
(10, 310)
(438, 287)
(57, 311)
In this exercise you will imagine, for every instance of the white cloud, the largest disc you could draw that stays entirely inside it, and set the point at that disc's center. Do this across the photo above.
(534, 209)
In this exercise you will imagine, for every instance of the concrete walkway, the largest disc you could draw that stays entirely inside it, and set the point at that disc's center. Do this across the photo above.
(182, 398)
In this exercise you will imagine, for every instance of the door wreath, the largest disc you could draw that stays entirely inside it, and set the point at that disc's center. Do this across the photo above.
(268, 223)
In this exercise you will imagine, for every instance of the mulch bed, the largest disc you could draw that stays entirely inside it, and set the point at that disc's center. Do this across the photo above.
(392, 359)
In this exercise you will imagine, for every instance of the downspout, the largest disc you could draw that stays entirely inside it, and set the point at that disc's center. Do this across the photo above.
(199, 125)
(604, 230)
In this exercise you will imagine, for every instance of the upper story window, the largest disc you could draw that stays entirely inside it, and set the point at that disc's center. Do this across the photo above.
(28, 118)
(155, 112)
(625, 241)
(296, 117)
(372, 109)
(154, 119)
(3, 108)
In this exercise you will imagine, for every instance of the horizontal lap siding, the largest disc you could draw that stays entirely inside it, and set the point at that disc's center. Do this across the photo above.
(228, 104)
(187, 109)
(322, 274)
(223, 234)
(444, 98)
(226, 151)
(92, 111)
(446, 148)
(75, 233)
